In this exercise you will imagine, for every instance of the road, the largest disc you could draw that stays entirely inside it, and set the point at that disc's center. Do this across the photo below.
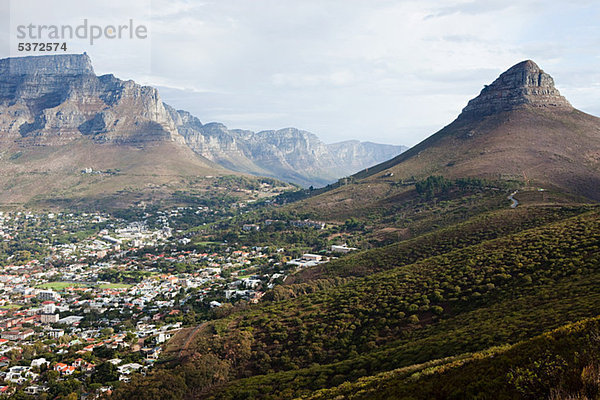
(514, 201)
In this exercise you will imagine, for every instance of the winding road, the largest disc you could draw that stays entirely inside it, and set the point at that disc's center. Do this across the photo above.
(514, 201)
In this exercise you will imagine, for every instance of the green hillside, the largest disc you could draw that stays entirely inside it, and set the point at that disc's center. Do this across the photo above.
(496, 287)
(561, 364)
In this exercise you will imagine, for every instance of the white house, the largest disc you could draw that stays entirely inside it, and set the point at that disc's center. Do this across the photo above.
(38, 362)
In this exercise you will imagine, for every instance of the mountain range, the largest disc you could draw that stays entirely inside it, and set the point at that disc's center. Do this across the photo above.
(288, 154)
(58, 118)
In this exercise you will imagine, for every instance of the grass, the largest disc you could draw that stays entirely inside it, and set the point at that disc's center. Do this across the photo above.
(114, 286)
(59, 285)
(205, 243)
(10, 307)
(63, 285)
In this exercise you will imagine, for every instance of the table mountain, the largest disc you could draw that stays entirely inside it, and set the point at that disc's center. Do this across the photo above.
(56, 116)
(57, 98)
(57, 119)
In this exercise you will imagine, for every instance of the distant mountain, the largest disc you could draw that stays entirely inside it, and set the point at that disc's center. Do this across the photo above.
(57, 119)
(54, 99)
(289, 154)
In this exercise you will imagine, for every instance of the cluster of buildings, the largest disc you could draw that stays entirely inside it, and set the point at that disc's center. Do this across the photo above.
(117, 288)
(89, 289)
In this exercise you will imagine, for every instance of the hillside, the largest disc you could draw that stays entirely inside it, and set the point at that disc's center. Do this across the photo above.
(437, 303)
(519, 130)
(548, 148)
(561, 364)
(455, 282)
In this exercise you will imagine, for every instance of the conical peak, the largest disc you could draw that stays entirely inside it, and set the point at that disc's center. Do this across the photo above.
(528, 65)
(523, 83)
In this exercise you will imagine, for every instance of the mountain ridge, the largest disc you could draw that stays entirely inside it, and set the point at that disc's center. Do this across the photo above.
(55, 99)
(289, 154)
(518, 128)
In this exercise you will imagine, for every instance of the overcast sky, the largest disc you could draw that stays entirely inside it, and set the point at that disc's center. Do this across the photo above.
(385, 71)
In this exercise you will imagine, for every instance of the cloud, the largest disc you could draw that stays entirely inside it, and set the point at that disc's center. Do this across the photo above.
(392, 71)
(296, 80)
(249, 117)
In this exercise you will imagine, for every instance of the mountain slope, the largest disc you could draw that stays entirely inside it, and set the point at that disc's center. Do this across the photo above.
(519, 128)
(491, 293)
(58, 120)
(560, 364)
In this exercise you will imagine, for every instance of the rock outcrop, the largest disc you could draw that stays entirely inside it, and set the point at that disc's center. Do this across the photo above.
(54, 100)
(523, 84)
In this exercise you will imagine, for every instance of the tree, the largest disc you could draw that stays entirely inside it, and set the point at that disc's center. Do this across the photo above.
(106, 372)
(107, 331)
(160, 385)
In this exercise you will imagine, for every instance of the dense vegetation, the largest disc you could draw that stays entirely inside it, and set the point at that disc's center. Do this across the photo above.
(494, 288)
(475, 230)
(563, 364)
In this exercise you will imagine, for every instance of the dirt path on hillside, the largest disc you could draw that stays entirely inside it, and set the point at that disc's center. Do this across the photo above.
(190, 338)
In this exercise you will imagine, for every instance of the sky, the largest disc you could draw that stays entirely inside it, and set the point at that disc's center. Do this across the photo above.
(384, 71)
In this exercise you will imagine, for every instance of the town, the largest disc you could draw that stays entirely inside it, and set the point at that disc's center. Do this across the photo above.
(88, 299)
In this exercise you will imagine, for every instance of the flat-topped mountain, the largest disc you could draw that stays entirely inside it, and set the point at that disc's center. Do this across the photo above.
(61, 65)
(53, 99)
(59, 120)
(58, 100)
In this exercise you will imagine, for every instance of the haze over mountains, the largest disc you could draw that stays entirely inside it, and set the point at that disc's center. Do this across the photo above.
(57, 118)
(289, 154)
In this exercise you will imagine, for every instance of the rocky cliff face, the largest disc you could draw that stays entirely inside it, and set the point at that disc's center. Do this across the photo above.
(289, 154)
(357, 155)
(524, 83)
(54, 100)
